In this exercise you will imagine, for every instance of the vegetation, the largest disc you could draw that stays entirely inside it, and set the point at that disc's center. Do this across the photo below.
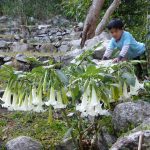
(53, 104)
(133, 13)
(77, 91)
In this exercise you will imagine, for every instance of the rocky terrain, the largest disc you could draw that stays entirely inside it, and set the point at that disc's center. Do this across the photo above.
(56, 38)
(59, 39)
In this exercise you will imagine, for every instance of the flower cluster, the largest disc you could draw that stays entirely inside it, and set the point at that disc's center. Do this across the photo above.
(90, 104)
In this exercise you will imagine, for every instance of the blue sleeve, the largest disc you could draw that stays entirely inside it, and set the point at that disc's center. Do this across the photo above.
(127, 39)
(111, 44)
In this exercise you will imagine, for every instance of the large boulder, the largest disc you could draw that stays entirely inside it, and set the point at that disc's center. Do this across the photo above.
(130, 114)
(75, 43)
(105, 140)
(3, 44)
(70, 55)
(104, 39)
(130, 142)
(47, 47)
(64, 48)
(65, 145)
(23, 143)
(19, 47)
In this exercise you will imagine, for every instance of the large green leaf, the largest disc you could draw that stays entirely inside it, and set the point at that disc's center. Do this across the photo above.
(63, 78)
(130, 78)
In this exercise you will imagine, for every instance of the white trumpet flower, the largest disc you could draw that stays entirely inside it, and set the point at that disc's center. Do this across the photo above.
(24, 105)
(82, 107)
(125, 95)
(94, 99)
(34, 96)
(39, 98)
(14, 105)
(52, 101)
(134, 89)
(6, 98)
(100, 111)
(30, 105)
(59, 104)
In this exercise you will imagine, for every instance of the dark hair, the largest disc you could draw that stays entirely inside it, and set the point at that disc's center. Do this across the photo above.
(115, 23)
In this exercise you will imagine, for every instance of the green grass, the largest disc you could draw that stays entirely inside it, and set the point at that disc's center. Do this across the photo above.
(34, 125)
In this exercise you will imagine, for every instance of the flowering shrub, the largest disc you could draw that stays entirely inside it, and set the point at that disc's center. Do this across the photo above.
(86, 87)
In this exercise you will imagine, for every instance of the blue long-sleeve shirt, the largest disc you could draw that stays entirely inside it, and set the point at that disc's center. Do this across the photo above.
(127, 45)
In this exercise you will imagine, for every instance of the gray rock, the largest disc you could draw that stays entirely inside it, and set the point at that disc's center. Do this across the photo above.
(16, 37)
(130, 114)
(60, 38)
(47, 47)
(19, 47)
(58, 34)
(66, 145)
(21, 58)
(99, 51)
(144, 126)
(9, 63)
(71, 55)
(7, 58)
(42, 35)
(57, 44)
(103, 37)
(3, 44)
(23, 143)
(110, 139)
(3, 19)
(75, 44)
(130, 142)
(53, 31)
(64, 48)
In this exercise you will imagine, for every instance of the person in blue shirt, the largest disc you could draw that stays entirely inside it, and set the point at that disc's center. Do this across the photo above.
(124, 41)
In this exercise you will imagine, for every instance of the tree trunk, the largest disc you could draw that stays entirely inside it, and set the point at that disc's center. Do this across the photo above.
(91, 21)
(106, 17)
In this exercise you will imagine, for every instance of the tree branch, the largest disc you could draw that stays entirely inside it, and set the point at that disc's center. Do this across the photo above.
(106, 17)
(91, 21)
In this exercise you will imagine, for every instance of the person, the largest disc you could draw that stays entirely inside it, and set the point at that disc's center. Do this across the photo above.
(124, 41)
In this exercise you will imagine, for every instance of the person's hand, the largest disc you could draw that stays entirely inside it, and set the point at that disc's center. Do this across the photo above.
(115, 60)
(123, 59)
(104, 58)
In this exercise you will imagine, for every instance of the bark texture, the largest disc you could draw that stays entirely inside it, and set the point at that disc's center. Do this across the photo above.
(91, 21)
(106, 17)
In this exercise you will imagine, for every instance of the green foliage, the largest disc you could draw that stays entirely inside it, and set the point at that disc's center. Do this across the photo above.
(14, 124)
(76, 9)
(31, 8)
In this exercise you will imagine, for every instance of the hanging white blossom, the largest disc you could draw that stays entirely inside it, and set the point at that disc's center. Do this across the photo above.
(59, 104)
(14, 105)
(83, 106)
(6, 98)
(52, 100)
(134, 89)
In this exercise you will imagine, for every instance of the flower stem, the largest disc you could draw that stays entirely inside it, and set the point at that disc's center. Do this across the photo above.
(69, 126)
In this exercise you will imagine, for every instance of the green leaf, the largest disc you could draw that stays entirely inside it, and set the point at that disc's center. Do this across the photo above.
(68, 133)
(115, 93)
(130, 78)
(63, 78)
(64, 96)
(50, 117)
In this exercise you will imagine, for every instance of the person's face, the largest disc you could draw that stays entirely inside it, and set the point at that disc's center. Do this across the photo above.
(116, 33)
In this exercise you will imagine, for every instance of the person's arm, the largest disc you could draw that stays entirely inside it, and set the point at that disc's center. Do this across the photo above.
(123, 52)
(125, 48)
(109, 50)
